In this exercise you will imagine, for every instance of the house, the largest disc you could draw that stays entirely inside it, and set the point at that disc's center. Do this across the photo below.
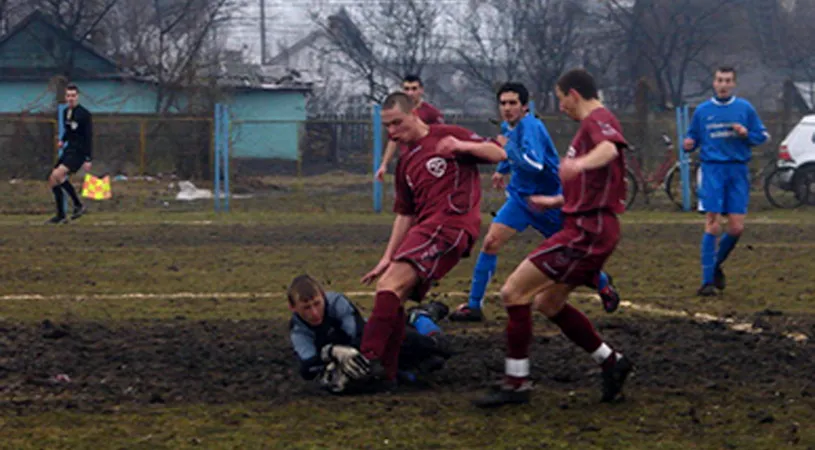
(37, 57)
(339, 88)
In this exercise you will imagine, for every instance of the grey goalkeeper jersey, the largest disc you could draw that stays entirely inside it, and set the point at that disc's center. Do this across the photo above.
(342, 325)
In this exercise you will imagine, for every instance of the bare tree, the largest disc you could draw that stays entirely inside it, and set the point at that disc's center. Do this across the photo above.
(489, 49)
(796, 40)
(553, 37)
(382, 41)
(171, 43)
(667, 40)
(10, 11)
(82, 19)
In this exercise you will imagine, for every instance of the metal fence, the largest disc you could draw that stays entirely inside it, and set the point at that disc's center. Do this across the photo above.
(183, 146)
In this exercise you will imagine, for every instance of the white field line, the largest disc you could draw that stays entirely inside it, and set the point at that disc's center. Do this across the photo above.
(625, 221)
(641, 307)
(162, 249)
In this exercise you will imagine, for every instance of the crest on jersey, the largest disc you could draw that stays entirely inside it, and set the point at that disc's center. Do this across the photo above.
(436, 166)
(74, 125)
(571, 153)
(607, 129)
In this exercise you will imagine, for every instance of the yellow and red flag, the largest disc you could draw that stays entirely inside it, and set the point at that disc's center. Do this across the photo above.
(96, 188)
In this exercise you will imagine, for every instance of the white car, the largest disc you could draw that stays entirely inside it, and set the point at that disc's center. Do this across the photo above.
(795, 172)
(798, 148)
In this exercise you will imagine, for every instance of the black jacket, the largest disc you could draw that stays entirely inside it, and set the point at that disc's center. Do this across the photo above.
(78, 132)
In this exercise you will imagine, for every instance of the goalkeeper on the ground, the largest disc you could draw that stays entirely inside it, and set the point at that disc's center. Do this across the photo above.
(326, 330)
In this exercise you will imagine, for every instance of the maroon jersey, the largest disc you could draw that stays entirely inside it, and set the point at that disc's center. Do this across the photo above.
(602, 188)
(440, 190)
(429, 114)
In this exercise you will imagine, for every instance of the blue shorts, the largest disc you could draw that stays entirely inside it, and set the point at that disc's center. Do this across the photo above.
(519, 216)
(725, 188)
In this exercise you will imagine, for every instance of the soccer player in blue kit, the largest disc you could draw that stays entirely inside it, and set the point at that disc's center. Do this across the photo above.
(533, 162)
(725, 128)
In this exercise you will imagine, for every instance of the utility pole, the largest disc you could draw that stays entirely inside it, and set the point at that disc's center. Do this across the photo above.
(262, 32)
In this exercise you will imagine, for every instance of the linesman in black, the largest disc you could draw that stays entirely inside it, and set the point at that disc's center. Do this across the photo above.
(77, 147)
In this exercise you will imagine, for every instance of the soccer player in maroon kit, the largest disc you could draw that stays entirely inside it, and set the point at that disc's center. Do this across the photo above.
(414, 88)
(438, 218)
(593, 175)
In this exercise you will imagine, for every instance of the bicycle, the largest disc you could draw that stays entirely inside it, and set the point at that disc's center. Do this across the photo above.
(782, 182)
(666, 176)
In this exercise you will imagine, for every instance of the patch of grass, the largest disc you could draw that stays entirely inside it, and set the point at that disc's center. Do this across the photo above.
(555, 419)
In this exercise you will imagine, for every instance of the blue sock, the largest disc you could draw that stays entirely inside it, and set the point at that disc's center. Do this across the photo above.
(726, 245)
(603, 282)
(425, 326)
(484, 268)
(708, 257)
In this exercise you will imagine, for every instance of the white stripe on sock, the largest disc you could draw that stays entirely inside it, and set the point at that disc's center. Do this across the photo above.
(601, 354)
(517, 367)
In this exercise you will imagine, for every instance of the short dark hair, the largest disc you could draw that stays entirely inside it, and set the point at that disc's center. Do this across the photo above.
(411, 78)
(303, 287)
(727, 69)
(518, 88)
(398, 100)
(581, 81)
(72, 87)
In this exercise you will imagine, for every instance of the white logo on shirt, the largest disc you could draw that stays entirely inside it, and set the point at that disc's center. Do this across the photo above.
(74, 125)
(436, 166)
(571, 153)
(607, 129)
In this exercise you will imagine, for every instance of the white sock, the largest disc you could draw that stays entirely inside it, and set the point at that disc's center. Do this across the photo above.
(602, 353)
(518, 368)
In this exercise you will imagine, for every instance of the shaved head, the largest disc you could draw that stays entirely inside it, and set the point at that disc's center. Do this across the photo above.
(398, 100)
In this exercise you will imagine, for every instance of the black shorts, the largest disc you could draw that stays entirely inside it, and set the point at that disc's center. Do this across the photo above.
(72, 161)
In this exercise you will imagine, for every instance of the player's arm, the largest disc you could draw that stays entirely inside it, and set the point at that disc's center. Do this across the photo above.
(600, 156)
(351, 321)
(404, 208)
(694, 133)
(546, 201)
(87, 145)
(401, 226)
(390, 149)
(504, 167)
(464, 143)
(311, 364)
(756, 131)
(530, 154)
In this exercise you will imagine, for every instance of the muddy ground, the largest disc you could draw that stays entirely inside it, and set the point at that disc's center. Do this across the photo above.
(180, 360)
(176, 362)
(159, 361)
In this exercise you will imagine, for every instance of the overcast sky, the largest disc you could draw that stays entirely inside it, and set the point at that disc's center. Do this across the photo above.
(288, 21)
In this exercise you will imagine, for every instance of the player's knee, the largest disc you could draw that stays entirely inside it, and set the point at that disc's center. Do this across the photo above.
(548, 306)
(735, 228)
(397, 281)
(712, 225)
(492, 244)
(510, 295)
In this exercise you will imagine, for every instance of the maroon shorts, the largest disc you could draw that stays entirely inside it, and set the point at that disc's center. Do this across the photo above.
(433, 251)
(575, 255)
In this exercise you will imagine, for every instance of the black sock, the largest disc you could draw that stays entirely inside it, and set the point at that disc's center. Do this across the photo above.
(69, 188)
(59, 197)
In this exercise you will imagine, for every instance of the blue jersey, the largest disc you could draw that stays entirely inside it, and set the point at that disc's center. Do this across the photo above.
(712, 130)
(532, 159)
